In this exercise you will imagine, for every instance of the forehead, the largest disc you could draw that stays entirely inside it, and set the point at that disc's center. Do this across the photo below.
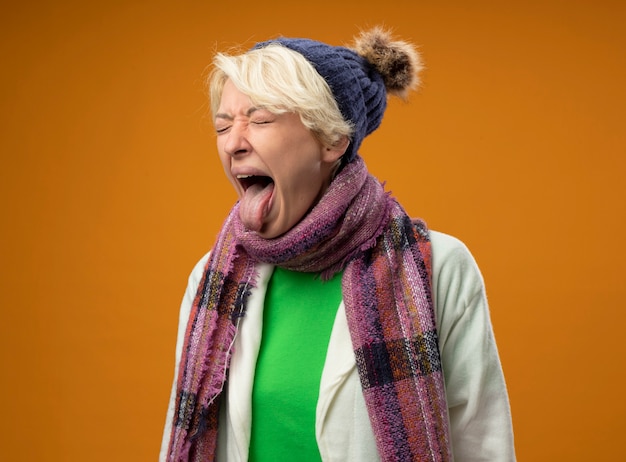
(232, 100)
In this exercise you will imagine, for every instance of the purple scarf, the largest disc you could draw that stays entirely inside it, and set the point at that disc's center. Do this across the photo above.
(359, 229)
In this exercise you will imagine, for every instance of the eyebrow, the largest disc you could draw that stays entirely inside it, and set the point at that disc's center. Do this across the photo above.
(249, 112)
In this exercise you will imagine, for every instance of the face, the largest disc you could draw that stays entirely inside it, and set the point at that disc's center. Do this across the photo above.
(277, 166)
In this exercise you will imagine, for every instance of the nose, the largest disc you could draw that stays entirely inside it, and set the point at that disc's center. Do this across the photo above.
(236, 142)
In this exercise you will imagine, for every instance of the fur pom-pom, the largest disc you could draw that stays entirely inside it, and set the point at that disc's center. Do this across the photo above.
(397, 61)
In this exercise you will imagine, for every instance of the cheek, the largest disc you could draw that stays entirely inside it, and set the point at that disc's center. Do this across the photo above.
(225, 161)
(220, 149)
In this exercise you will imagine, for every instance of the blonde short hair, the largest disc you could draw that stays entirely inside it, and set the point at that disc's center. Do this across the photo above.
(281, 80)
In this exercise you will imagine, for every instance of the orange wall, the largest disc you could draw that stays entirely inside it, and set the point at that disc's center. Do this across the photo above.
(111, 190)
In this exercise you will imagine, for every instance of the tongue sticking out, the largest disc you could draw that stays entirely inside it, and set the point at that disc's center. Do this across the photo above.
(255, 205)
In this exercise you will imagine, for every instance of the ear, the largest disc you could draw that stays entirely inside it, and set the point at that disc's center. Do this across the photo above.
(333, 153)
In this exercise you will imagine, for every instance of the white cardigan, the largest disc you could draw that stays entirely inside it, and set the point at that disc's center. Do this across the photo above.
(478, 406)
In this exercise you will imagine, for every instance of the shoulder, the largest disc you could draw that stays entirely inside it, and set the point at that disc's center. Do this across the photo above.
(192, 286)
(450, 253)
(447, 246)
(457, 280)
(198, 270)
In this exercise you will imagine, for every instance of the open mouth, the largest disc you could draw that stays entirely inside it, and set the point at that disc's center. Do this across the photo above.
(256, 200)
(247, 181)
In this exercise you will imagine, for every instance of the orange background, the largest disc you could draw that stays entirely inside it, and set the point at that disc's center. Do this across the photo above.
(111, 190)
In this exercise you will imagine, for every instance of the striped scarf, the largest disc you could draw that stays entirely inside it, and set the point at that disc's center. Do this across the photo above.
(386, 261)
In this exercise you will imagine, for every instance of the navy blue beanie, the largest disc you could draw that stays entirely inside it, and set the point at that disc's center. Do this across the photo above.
(359, 81)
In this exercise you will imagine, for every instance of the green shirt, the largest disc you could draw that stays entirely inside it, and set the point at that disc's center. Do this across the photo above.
(298, 316)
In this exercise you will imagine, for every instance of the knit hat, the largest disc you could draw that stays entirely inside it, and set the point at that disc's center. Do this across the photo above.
(360, 76)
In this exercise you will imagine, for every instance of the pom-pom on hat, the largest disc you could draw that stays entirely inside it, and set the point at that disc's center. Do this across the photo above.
(360, 76)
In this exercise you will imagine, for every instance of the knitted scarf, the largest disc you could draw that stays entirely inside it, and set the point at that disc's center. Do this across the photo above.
(386, 261)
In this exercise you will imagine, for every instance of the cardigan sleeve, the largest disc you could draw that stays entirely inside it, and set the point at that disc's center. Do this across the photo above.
(185, 309)
(478, 404)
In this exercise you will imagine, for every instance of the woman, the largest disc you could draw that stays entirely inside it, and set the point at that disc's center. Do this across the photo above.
(325, 324)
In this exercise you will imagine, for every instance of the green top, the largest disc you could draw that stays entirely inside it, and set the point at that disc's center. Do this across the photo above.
(298, 317)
